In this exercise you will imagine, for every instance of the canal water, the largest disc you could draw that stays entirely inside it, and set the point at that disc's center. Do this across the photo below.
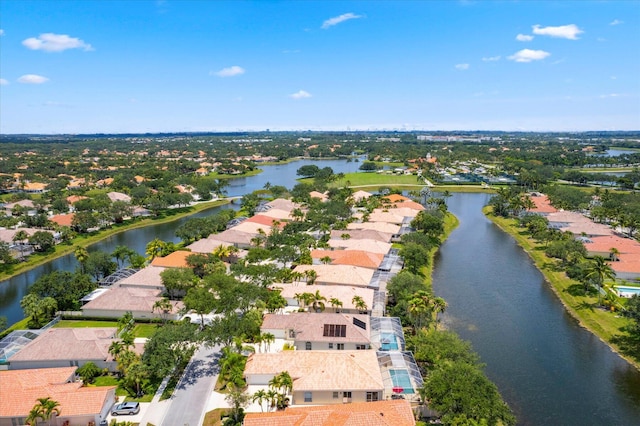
(549, 369)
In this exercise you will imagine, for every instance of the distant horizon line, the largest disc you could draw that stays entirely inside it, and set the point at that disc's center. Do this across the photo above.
(268, 131)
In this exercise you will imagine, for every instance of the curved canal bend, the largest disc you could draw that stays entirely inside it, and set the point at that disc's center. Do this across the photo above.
(549, 369)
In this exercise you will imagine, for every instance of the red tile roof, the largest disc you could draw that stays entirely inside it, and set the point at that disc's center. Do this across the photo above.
(21, 388)
(543, 205)
(177, 259)
(62, 219)
(380, 413)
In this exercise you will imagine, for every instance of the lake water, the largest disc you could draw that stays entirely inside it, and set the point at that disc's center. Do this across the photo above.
(549, 369)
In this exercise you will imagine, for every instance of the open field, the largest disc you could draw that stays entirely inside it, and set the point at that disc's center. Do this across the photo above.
(602, 323)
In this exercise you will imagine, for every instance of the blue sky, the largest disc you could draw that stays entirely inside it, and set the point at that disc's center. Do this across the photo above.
(178, 65)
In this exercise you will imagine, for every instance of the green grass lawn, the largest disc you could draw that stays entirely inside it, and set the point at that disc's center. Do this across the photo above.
(604, 324)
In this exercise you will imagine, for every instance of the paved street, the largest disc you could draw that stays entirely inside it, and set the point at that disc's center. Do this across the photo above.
(189, 401)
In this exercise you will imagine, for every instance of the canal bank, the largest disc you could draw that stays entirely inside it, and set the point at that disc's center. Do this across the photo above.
(548, 368)
(604, 324)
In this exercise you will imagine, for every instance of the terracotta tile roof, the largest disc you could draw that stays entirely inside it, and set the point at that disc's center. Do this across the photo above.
(396, 198)
(283, 204)
(390, 216)
(149, 276)
(343, 293)
(177, 259)
(605, 243)
(588, 228)
(360, 195)
(7, 235)
(321, 370)
(339, 274)
(361, 258)
(409, 205)
(360, 234)
(124, 298)
(371, 246)
(25, 386)
(72, 199)
(543, 205)
(63, 219)
(567, 217)
(35, 186)
(279, 214)
(233, 236)
(628, 263)
(207, 245)
(380, 413)
(252, 227)
(264, 220)
(69, 344)
(389, 228)
(309, 326)
(119, 196)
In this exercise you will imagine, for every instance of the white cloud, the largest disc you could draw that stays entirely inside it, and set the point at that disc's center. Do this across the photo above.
(616, 22)
(3, 82)
(491, 58)
(528, 55)
(229, 72)
(1, 32)
(32, 79)
(301, 94)
(338, 19)
(611, 95)
(570, 31)
(524, 37)
(462, 67)
(50, 42)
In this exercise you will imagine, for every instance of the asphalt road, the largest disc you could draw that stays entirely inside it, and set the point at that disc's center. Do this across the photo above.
(190, 398)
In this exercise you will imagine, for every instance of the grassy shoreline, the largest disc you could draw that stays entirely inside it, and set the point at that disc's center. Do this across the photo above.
(89, 239)
(603, 324)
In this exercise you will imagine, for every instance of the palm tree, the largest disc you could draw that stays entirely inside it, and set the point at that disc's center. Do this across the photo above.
(272, 397)
(600, 270)
(311, 276)
(154, 248)
(359, 303)
(418, 310)
(81, 255)
(34, 415)
(439, 305)
(335, 303)
(268, 339)
(325, 260)
(163, 306)
(317, 302)
(260, 396)
(47, 408)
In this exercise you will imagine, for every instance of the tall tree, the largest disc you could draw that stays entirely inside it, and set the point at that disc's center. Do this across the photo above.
(599, 270)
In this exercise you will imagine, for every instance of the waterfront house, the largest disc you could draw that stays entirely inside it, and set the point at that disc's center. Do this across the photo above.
(379, 413)
(339, 274)
(342, 293)
(320, 377)
(320, 331)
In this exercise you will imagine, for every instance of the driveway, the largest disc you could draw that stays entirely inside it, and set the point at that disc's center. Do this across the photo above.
(136, 418)
(189, 401)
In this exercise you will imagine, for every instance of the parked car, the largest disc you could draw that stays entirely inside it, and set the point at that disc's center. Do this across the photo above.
(126, 408)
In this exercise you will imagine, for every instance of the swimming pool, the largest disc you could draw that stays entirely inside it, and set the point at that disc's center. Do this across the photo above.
(388, 342)
(626, 291)
(400, 379)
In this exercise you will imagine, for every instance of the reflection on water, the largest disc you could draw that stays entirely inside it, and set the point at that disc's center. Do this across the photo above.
(549, 369)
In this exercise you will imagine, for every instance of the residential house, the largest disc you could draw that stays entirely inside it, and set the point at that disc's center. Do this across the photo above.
(388, 228)
(361, 234)
(339, 274)
(121, 299)
(63, 347)
(78, 405)
(320, 377)
(360, 258)
(320, 331)
(177, 259)
(367, 245)
(379, 413)
(342, 293)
